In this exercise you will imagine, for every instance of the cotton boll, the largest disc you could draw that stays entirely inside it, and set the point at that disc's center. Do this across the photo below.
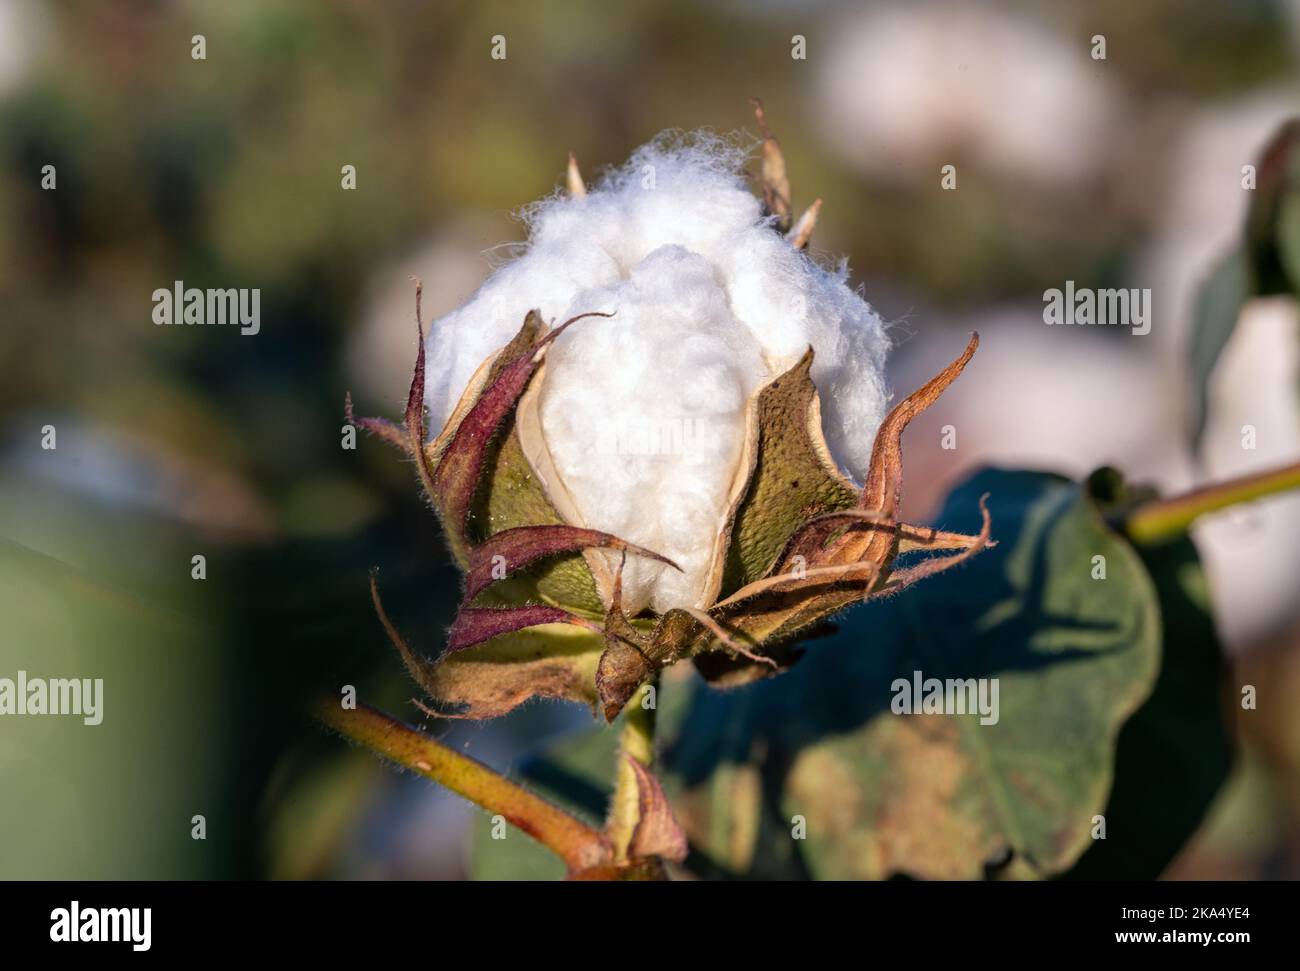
(461, 341)
(677, 190)
(790, 304)
(644, 413)
(683, 190)
(641, 413)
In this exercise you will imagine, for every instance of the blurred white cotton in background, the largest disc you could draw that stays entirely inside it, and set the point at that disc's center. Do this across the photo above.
(1060, 399)
(902, 86)
(1071, 399)
(1251, 568)
(23, 32)
(644, 413)
(1250, 552)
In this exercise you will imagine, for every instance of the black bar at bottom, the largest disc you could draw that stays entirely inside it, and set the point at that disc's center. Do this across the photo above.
(336, 920)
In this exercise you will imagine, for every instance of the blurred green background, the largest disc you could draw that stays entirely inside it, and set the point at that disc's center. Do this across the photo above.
(225, 172)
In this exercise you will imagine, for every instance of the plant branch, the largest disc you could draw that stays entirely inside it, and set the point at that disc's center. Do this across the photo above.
(1162, 519)
(638, 741)
(579, 845)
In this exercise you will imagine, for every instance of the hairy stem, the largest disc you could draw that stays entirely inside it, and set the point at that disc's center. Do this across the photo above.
(637, 740)
(579, 845)
(1162, 519)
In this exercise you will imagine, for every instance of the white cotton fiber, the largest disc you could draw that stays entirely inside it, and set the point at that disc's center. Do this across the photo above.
(644, 412)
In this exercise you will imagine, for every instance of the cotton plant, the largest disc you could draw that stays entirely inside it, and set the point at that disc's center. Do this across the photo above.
(659, 434)
(662, 434)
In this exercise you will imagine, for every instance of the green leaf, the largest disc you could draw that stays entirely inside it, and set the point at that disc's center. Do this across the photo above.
(944, 796)
(1175, 753)
(1218, 305)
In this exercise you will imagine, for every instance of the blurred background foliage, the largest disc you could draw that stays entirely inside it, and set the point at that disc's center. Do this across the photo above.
(225, 172)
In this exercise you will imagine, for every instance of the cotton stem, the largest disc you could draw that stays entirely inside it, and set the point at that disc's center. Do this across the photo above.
(579, 845)
(1162, 519)
(637, 740)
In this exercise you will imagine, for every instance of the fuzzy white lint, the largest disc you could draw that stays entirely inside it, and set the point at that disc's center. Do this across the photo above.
(644, 412)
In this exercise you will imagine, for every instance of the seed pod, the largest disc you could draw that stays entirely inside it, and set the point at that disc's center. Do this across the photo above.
(787, 538)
